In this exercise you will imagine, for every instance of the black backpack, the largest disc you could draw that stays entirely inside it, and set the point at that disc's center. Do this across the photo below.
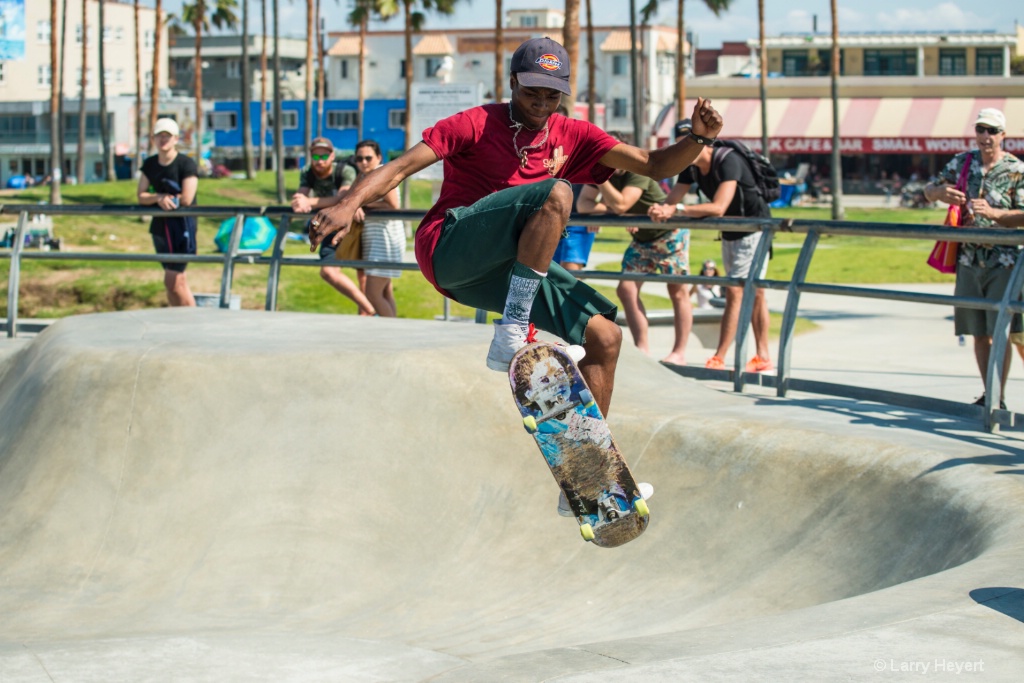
(766, 178)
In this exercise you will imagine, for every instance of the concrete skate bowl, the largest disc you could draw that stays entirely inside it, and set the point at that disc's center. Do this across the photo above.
(252, 496)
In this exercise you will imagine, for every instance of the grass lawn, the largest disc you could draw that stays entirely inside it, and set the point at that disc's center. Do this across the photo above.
(51, 289)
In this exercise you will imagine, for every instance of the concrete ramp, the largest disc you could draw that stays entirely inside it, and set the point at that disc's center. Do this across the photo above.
(288, 497)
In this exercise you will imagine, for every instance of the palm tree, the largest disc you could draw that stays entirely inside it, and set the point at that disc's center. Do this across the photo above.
(246, 95)
(60, 97)
(55, 141)
(195, 13)
(108, 160)
(716, 7)
(591, 68)
(320, 72)
(499, 51)
(309, 70)
(571, 43)
(362, 12)
(83, 82)
(263, 90)
(762, 59)
(138, 89)
(154, 92)
(278, 128)
(837, 163)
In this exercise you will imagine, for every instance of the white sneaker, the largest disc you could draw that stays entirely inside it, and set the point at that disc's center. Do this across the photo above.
(646, 491)
(576, 352)
(508, 339)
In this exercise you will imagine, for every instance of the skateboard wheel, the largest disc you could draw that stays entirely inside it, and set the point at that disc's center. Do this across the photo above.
(586, 398)
(587, 532)
(640, 505)
(530, 422)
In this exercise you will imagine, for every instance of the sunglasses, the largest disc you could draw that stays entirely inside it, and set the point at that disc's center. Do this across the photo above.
(364, 158)
(320, 157)
(987, 129)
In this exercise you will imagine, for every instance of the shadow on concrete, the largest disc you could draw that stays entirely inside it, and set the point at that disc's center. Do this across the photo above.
(1009, 601)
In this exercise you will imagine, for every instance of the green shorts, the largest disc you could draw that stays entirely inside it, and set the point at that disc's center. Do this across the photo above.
(981, 283)
(476, 251)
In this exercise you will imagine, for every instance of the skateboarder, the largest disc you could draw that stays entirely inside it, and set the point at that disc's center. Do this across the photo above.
(505, 202)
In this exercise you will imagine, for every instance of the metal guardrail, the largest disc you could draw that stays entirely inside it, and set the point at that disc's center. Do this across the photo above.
(782, 381)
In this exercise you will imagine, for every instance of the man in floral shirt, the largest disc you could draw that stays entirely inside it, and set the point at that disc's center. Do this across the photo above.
(994, 198)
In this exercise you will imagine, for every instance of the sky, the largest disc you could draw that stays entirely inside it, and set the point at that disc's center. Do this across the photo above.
(739, 23)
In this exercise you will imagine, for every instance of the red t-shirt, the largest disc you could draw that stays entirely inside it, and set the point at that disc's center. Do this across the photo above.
(479, 159)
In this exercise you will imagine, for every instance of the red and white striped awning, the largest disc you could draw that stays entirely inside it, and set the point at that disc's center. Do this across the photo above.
(891, 125)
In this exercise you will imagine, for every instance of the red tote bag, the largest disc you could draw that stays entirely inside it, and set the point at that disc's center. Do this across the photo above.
(944, 254)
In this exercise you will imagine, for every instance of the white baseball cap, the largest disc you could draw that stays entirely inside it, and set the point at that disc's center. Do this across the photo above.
(991, 117)
(166, 126)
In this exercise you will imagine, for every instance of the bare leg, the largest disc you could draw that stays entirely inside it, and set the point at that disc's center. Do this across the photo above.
(636, 317)
(333, 276)
(178, 291)
(603, 343)
(761, 321)
(569, 265)
(730, 320)
(982, 353)
(682, 311)
(377, 293)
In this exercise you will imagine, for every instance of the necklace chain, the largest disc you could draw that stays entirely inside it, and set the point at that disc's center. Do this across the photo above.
(522, 151)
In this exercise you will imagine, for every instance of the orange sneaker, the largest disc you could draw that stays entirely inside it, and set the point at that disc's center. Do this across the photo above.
(715, 363)
(758, 364)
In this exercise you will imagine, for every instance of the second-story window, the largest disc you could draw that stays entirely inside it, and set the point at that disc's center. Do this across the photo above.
(620, 65)
(620, 108)
(233, 68)
(952, 62)
(890, 62)
(43, 31)
(988, 62)
(794, 62)
(342, 119)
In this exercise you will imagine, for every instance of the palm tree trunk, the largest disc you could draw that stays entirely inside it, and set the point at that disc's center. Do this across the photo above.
(278, 128)
(321, 75)
(154, 86)
(591, 67)
(138, 89)
(246, 95)
(108, 160)
(681, 62)
(408, 75)
(55, 141)
(634, 63)
(837, 162)
(309, 70)
(361, 108)
(82, 84)
(263, 90)
(197, 127)
(499, 51)
(763, 62)
(571, 38)
(60, 100)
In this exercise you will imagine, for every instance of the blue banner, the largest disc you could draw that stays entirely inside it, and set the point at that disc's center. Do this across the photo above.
(12, 30)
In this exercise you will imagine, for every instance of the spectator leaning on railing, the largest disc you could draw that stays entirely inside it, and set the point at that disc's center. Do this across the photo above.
(994, 199)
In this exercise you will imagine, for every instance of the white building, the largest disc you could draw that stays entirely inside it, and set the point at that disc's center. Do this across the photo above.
(25, 85)
(467, 56)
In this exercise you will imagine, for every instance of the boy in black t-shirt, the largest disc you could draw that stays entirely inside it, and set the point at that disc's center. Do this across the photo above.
(170, 180)
(725, 176)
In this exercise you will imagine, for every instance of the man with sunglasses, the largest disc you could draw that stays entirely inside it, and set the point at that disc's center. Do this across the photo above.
(323, 183)
(993, 198)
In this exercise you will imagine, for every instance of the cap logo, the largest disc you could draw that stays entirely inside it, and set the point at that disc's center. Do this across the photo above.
(549, 62)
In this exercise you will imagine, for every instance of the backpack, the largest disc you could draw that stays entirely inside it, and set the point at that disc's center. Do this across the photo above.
(766, 178)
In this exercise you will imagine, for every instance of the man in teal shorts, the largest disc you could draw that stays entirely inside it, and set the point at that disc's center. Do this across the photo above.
(504, 205)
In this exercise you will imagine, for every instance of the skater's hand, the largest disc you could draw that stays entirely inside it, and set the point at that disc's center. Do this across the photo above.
(707, 122)
(333, 222)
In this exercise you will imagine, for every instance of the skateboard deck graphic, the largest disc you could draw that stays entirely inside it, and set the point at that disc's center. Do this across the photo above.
(559, 412)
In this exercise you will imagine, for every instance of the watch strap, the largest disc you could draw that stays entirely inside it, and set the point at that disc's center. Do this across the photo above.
(701, 140)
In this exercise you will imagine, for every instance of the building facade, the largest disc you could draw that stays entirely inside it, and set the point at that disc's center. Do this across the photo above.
(25, 86)
(222, 66)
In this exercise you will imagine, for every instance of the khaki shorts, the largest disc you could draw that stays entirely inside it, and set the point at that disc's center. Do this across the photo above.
(476, 251)
(982, 283)
(738, 256)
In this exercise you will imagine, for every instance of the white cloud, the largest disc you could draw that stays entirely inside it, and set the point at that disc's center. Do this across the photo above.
(944, 16)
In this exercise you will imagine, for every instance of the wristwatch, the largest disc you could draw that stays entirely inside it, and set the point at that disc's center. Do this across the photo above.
(700, 140)
(681, 208)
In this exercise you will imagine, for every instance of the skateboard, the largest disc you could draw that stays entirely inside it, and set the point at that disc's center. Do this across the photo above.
(560, 413)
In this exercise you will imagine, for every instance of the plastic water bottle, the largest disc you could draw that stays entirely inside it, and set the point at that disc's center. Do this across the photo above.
(962, 341)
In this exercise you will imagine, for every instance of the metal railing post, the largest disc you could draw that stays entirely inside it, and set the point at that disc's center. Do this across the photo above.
(764, 246)
(274, 275)
(1000, 341)
(14, 276)
(803, 264)
(229, 260)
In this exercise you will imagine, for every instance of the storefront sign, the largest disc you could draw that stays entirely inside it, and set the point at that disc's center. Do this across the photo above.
(907, 145)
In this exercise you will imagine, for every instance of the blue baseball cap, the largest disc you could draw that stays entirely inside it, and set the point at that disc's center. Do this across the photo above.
(542, 63)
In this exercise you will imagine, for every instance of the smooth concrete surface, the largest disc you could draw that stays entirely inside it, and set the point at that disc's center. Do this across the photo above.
(211, 495)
